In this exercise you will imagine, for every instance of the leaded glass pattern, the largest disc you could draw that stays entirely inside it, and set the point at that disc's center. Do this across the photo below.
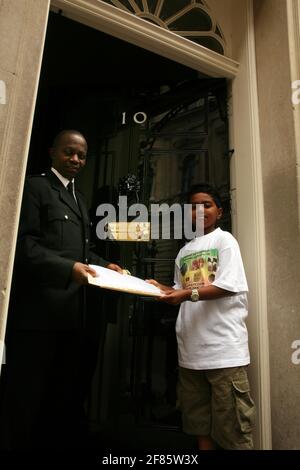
(189, 18)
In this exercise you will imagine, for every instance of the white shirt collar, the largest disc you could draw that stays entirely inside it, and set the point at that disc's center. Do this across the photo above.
(64, 180)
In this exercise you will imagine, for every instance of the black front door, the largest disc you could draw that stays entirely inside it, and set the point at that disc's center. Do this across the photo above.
(157, 121)
(162, 145)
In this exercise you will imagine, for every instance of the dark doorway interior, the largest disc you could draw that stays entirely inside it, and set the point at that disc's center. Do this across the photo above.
(82, 66)
(88, 81)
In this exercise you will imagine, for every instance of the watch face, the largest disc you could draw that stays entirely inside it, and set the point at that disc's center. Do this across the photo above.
(194, 295)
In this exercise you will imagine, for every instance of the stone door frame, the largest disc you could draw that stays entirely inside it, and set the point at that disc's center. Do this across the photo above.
(246, 174)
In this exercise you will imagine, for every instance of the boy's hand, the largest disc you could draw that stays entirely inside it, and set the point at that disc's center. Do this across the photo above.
(177, 296)
(162, 287)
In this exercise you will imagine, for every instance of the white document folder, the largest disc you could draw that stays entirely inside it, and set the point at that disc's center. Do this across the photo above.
(109, 279)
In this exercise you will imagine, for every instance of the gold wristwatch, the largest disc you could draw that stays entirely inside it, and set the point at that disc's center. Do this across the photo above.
(194, 295)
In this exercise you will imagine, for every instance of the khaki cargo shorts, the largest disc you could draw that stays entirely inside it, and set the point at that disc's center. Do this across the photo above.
(217, 402)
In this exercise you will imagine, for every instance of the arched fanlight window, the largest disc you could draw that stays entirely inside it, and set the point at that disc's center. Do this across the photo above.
(189, 18)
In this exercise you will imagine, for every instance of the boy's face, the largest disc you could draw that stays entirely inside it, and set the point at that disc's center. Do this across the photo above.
(211, 212)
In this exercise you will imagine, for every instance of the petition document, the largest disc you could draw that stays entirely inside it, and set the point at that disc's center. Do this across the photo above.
(109, 279)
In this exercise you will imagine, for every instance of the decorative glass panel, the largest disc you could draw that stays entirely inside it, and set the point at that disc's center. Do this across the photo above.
(194, 20)
(152, 4)
(218, 32)
(172, 7)
(184, 17)
(139, 4)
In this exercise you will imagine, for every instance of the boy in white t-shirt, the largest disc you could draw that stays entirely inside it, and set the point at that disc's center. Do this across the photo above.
(211, 286)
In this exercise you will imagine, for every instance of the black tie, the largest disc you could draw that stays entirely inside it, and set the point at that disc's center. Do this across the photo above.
(70, 188)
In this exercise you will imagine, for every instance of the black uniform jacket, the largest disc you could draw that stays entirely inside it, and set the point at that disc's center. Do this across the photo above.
(54, 233)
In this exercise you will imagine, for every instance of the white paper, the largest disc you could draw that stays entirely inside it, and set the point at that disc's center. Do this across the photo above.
(109, 279)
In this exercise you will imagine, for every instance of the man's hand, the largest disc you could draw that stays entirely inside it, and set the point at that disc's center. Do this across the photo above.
(114, 267)
(176, 296)
(80, 273)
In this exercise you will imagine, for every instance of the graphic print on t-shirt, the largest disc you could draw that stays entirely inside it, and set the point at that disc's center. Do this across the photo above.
(199, 268)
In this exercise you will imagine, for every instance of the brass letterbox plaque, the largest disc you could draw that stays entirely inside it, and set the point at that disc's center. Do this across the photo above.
(129, 231)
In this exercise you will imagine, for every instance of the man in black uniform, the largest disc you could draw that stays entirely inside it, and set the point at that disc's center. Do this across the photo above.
(51, 354)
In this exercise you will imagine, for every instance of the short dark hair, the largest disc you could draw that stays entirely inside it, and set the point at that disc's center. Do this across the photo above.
(62, 133)
(208, 189)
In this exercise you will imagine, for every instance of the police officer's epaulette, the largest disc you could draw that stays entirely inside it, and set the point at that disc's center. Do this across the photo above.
(40, 175)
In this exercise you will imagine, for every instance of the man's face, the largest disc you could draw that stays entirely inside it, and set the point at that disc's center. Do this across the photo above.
(69, 155)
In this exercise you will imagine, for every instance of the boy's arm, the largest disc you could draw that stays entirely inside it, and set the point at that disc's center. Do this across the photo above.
(162, 287)
(177, 296)
(168, 289)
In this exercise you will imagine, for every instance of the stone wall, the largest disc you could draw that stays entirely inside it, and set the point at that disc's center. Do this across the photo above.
(22, 31)
(280, 201)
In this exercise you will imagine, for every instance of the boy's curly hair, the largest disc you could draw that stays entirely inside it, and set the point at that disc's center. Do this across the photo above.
(205, 188)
